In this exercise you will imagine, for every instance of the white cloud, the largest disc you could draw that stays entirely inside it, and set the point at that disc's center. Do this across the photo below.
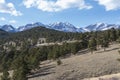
(2, 19)
(110, 4)
(2, 1)
(8, 8)
(12, 21)
(58, 5)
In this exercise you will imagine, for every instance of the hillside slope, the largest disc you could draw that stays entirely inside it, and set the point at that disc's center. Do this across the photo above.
(81, 66)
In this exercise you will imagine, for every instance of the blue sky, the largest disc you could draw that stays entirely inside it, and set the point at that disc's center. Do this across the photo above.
(78, 12)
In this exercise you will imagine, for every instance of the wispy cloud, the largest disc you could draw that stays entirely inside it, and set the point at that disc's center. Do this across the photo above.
(12, 21)
(58, 5)
(110, 4)
(2, 19)
(8, 8)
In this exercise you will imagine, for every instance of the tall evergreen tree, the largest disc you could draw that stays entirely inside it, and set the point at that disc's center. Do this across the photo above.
(21, 72)
(105, 43)
(92, 45)
(113, 34)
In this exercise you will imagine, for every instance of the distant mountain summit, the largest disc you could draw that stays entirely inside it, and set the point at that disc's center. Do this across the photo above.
(100, 27)
(62, 26)
(8, 28)
(29, 26)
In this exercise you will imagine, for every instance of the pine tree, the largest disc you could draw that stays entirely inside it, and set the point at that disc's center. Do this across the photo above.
(92, 44)
(73, 49)
(113, 34)
(105, 43)
(21, 72)
(56, 53)
(99, 42)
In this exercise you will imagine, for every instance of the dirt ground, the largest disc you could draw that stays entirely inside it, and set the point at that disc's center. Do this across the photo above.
(81, 66)
(106, 77)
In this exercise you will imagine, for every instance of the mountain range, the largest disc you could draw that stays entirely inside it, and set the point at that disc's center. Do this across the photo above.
(62, 26)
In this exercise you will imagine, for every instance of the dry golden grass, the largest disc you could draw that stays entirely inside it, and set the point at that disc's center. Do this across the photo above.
(82, 66)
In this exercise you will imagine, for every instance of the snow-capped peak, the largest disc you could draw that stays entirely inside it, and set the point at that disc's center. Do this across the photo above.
(8, 28)
(63, 26)
(29, 26)
(100, 27)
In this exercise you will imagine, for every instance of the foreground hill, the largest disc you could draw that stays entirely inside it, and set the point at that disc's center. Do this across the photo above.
(81, 66)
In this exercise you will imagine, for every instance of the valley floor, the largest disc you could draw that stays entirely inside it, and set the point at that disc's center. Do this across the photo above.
(81, 66)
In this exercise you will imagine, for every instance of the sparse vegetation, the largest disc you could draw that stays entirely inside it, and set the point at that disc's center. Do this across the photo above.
(92, 45)
(21, 47)
(59, 62)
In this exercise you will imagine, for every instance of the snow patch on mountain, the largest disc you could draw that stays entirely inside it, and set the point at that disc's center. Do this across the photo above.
(62, 26)
(29, 26)
(8, 28)
(100, 27)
